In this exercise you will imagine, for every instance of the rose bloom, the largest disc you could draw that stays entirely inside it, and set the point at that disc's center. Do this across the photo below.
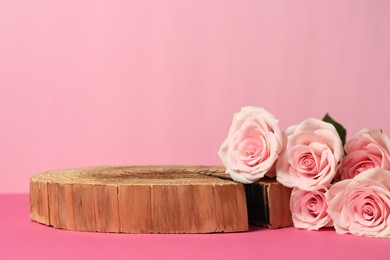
(313, 150)
(252, 146)
(309, 209)
(361, 206)
(367, 149)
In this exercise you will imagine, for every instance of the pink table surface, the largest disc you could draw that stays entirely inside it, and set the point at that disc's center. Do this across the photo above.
(21, 238)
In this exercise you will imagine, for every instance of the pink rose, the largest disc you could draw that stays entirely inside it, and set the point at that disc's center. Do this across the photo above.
(367, 149)
(361, 206)
(252, 146)
(309, 209)
(313, 150)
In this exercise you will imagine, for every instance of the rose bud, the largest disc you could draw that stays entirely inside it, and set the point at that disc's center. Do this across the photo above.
(361, 206)
(313, 150)
(309, 209)
(367, 149)
(253, 144)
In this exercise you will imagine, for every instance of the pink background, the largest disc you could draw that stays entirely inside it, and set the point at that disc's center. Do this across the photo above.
(156, 82)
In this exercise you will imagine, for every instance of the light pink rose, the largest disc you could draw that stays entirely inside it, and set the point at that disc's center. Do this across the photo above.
(313, 150)
(252, 146)
(361, 206)
(309, 209)
(367, 149)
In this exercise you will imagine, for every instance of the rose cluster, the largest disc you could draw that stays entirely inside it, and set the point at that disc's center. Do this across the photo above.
(345, 186)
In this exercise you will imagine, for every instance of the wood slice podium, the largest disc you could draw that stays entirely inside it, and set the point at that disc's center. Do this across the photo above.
(151, 199)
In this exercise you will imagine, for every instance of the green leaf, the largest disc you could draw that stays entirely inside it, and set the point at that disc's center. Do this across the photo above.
(340, 129)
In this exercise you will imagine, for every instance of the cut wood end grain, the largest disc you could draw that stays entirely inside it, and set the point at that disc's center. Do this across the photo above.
(139, 199)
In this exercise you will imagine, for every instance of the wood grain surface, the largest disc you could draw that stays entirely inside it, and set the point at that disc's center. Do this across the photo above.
(139, 199)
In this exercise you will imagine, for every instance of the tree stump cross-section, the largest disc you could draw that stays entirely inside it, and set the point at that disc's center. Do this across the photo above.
(139, 199)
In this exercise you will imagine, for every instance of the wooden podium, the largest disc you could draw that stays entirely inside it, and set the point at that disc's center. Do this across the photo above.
(155, 199)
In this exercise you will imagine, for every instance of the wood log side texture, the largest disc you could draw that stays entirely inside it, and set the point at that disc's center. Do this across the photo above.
(268, 201)
(139, 199)
(39, 204)
(268, 204)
